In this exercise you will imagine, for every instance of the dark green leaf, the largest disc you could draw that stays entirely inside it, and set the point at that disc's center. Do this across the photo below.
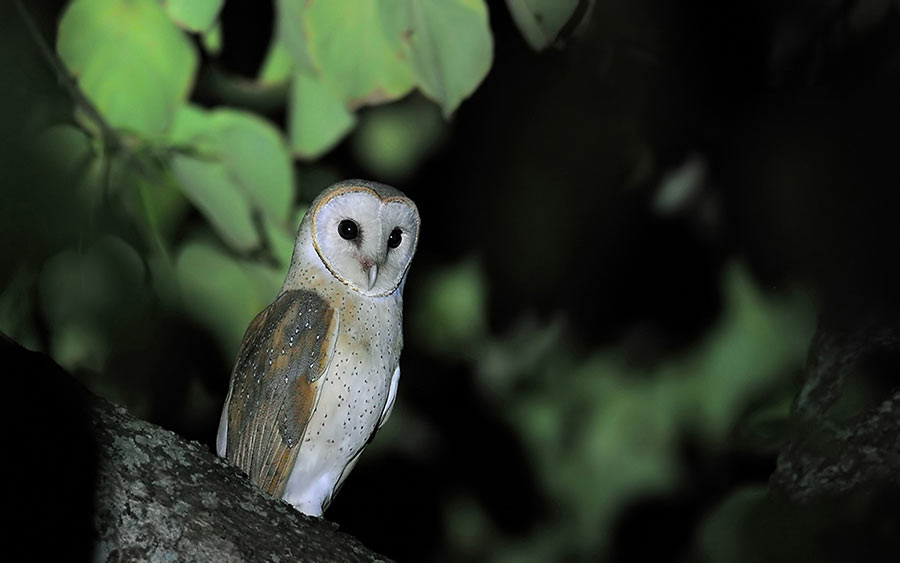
(540, 20)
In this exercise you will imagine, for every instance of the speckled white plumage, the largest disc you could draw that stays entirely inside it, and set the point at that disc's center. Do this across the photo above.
(356, 390)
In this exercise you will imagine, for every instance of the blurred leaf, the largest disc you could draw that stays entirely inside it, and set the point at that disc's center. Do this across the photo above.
(447, 42)
(766, 428)
(866, 14)
(209, 187)
(450, 315)
(212, 39)
(370, 51)
(757, 340)
(721, 538)
(72, 154)
(244, 166)
(352, 54)
(602, 429)
(88, 298)
(468, 525)
(193, 15)
(222, 293)
(277, 66)
(191, 125)
(317, 119)
(523, 349)
(16, 303)
(67, 148)
(391, 141)
(541, 20)
(130, 60)
(256, 157)
(291, 31)
(282, 238)
(752, 526)
(157, 207)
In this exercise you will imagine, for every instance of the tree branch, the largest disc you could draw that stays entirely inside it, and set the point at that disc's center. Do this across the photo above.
(148, 494)
(829, 455)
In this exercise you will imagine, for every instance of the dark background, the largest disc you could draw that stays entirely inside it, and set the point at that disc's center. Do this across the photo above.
(547, 183)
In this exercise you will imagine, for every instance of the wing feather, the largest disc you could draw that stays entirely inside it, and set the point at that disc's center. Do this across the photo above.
(275, 385)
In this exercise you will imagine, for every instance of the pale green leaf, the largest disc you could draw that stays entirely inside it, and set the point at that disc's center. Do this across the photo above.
(130, 60)
(212, 39)
(447, 42)
(193, 15)
(242, 161)
(209, 187)
(281, 238)
(222, 293)
(317, 119)
(541, 20)
(191, 125)
(291, 33)
(255, 154)
(354, 57)
(278, 64)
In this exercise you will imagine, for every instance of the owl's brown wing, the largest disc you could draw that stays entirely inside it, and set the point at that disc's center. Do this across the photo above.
(275, 384)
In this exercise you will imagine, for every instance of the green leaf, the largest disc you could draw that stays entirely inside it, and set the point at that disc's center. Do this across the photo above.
(292, 33)
(451, 317)
(222, 293)
(88, 297)
(191, 125)
(278, 64)
(212, 39)
(17, 319)
(156, 206)
(391, 141)
(257, 158)
(447, 42)
(353, 55)
(67, 148)
(209, 187)
(317, 119)
(243, 165)
(720, 536)
(281, 238)
(193, 15)
(130, 60)
(541, 20)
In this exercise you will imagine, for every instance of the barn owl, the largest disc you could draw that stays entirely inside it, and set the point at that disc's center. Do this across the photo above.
(317, 370)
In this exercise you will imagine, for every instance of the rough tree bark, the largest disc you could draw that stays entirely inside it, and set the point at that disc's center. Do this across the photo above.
(93, 482)
(836, 453)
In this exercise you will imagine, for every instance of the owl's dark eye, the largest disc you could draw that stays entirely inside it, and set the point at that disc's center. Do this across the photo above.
(395, 238)
(348, 229)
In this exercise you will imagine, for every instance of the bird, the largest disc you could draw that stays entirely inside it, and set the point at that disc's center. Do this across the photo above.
(317, 370)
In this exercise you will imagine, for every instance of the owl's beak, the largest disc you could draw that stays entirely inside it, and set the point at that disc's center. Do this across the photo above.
(373, 273)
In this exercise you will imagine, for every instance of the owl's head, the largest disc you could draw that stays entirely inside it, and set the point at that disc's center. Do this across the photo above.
(364, 233)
